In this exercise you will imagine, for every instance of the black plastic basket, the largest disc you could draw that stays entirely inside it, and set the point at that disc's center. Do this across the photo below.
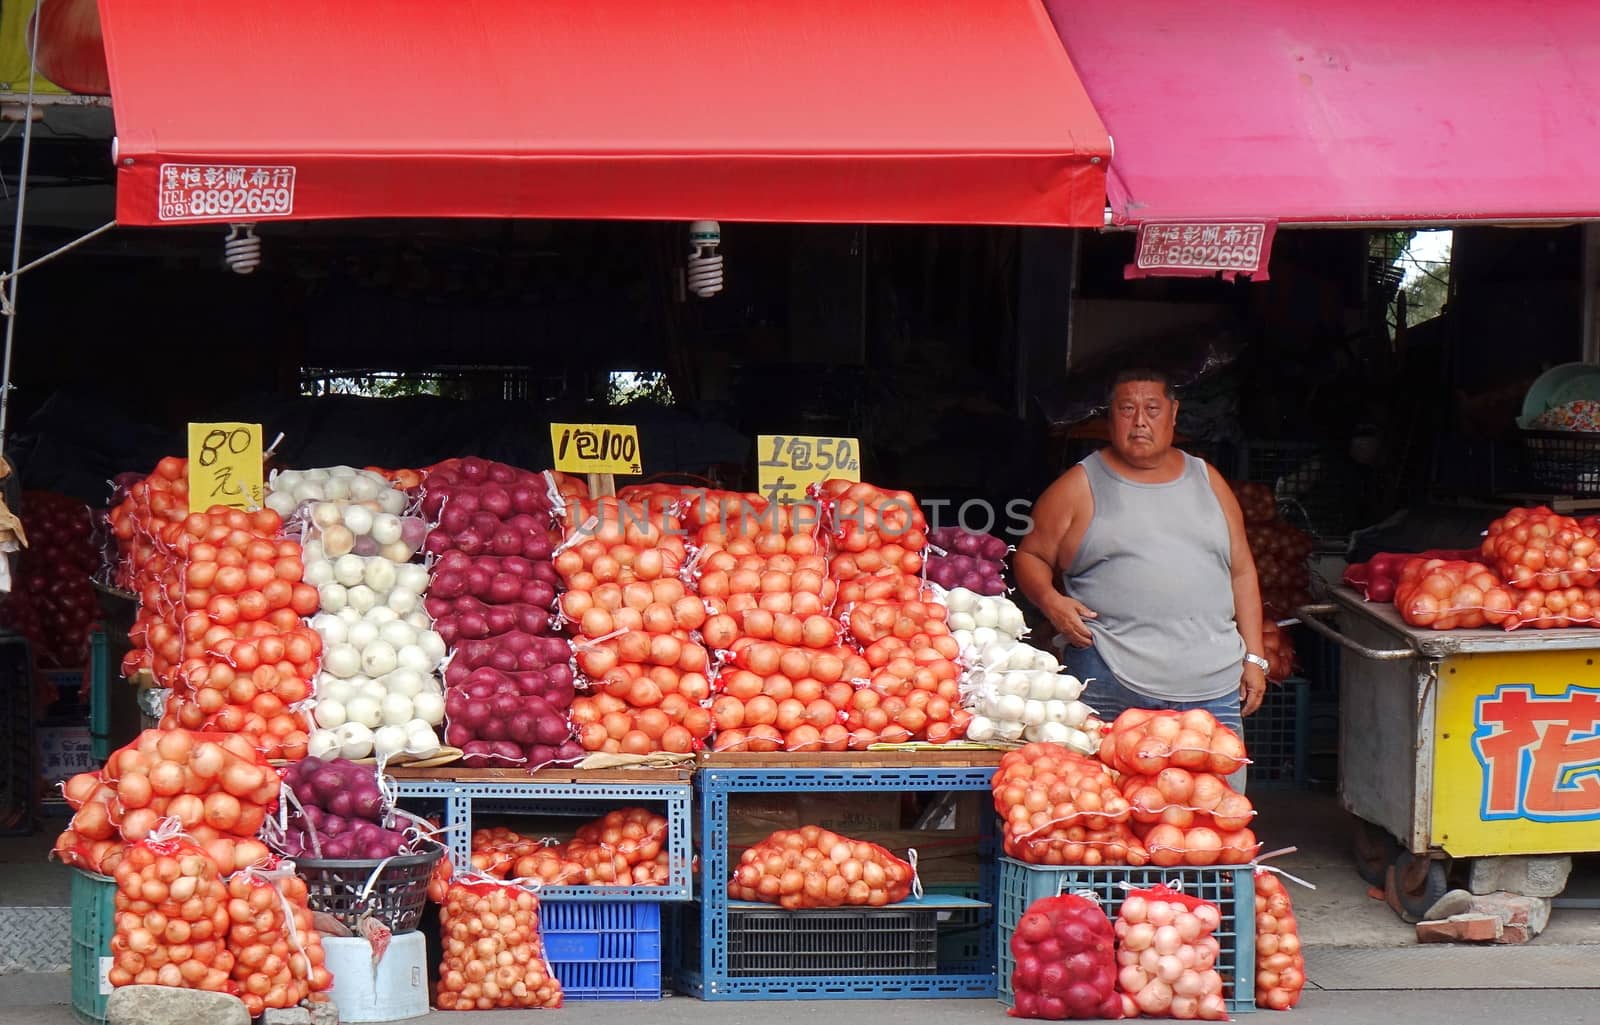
(1566, 462)
(397, 897)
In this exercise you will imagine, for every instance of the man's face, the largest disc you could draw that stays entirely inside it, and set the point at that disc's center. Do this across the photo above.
(1142, 422)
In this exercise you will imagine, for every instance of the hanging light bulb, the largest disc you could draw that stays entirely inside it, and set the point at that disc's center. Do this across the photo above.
(241, 250)
(705, 263)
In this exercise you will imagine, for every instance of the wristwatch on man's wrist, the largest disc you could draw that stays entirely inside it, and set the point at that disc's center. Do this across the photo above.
(1257, 661)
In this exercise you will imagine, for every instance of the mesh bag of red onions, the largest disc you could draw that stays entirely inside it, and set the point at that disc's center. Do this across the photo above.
(1065, 965)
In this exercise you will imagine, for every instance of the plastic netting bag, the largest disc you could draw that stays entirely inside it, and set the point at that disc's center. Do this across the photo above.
(1166, 956)
(1065, 961)
(811, 867)
(493, 954)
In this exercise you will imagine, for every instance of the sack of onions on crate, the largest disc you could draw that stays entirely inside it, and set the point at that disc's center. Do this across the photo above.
(811, 867)
(1065, 961)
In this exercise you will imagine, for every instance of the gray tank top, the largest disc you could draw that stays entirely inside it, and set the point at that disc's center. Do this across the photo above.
(1155, 564)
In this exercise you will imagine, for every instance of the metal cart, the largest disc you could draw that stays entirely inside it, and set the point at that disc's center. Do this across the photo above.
(1462, 743)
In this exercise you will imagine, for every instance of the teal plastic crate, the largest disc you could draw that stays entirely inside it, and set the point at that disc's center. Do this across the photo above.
(93, 922)
(603, 950)
(1277, 737)
(1231, 889)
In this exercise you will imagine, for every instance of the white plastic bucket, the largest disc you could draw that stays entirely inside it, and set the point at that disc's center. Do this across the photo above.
(399, 987)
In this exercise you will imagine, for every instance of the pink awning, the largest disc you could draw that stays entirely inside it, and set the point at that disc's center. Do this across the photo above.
(1344, 112)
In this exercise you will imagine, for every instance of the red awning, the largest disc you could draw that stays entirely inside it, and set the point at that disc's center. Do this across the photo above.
(1354, 111)
(932, 111)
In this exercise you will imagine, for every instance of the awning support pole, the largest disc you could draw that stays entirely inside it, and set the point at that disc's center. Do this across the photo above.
(16, 234)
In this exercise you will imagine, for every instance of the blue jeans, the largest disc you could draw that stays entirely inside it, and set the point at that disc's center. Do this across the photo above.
(1109, 697)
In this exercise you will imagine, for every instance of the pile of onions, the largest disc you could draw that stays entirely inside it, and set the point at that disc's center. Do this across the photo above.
(1256, 501)
(1280, 965)
(162, 497)
(222, 625)
(215, 786)
(493, 588)
(1282, 553)
(811, 867)
(171, 919)
(1378, 577)
(277, 955)
(774, 695)
(750, 554)
(971, 612)
(338, 812)
(1167, 955)
(976, 562)
(288, 490)
(1539, 549)
(500, 852)
(1018, 692)
(878, 537)
(1063, 809)
(1065, 964)
(1142, 743)
(1445, 595)
(493, 956)
(51, 601)
(913, 690)
(1277, 647)
(1190, 818)
(625, 847)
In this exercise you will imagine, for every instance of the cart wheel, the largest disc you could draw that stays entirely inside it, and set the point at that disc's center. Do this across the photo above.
(1375, 851)
(1419, 882)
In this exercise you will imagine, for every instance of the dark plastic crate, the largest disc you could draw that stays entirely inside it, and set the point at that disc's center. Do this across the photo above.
(1231, 889)
(1276, 737)
(832, 941)
(961, 929)
(1567, 462)
(603, 951)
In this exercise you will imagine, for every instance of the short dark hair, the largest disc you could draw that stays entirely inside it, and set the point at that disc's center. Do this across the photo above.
(1132, 374)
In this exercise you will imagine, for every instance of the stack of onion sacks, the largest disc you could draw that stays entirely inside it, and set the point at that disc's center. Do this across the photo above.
(811, 867)
(774, 695)
(1142, 742)
(878, 537)
(625, 847)
(493, 956)
(645, 672)
(1280, 550)
(278, 958)
(1060, 808)
(915, 679)
(494, 587)
(1186, 818)
(1550, 563)
(1280, 965)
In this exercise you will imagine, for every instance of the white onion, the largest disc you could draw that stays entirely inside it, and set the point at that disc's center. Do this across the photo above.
(359, 519)
(388, 741)
(398, 634)
(380, 575)
(404, 682)
(348, 570)
(381, 616)
(316, 473)
(1055, 711)
(378, 658)
(337, 488)
(984, 636)
(307, 491)
(960, 621)
(361, 598)
(1044, 661)
(334, 687)
(355, 740)
(283, 480)
(397, 709)
(1015, 685)
(392, 501)
(323, 744)
(332, 597)
(411, 576)
(385, 528)
(414, 658)
(1008, 730)
(429, 706)
(419, 620)
(1041, 686)
(1054, 733)
(364, 710)
(364, 489)
(422, 741)
(329, 627)
(329, 713)
(1009, 708)
(985, 615)
(403, 600)
(1068, 687)
(342, 660)
(981, 728)
(350, 617)
(362, 634)
(1033, 713)
(397, 553)
(371, 688)
(318, 573)
(432, 645)
(282, 503)
(962, 600)
(325, 514)
(341, 470)
(1010, 620)
(311, 551)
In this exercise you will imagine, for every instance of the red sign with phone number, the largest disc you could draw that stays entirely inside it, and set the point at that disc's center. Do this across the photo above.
(1201, 250)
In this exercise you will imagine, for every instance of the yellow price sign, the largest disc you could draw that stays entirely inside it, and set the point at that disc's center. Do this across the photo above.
(225, 466)
(596, 448)
(787, 463)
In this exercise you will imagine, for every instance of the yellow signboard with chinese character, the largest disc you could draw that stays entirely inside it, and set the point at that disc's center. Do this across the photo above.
(596, 448)
(1516, 765)
(225, 466)
(786, 464)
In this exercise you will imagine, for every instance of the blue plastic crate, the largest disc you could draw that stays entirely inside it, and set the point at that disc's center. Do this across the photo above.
(963, 930)
(1277, 737)
(603, 951)
(1231, 889)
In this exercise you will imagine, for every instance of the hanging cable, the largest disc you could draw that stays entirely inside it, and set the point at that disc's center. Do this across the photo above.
(705, 263)
(242, 252)
(10, 311)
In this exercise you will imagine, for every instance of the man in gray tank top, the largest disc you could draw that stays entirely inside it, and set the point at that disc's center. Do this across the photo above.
(1158, 602)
